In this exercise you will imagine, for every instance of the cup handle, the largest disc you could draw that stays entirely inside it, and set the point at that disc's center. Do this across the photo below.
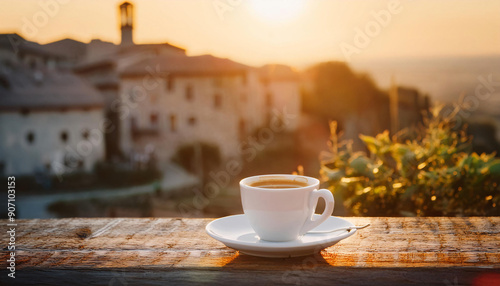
(313, 201)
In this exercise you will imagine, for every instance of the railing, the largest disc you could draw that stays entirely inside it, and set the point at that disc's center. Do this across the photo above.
(176, 251)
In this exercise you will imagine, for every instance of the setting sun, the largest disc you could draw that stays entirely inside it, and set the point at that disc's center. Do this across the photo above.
(277, 10)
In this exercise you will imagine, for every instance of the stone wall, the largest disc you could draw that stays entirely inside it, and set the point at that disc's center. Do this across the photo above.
(34, 141)
(222, 110)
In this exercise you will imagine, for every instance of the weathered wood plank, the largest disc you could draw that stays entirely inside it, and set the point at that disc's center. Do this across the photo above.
(391, 242)
(210, 276)
(177, 249)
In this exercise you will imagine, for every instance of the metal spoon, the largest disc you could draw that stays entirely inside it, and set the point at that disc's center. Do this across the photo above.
(349, 228)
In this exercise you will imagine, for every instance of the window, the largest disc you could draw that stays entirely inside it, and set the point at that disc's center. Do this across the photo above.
(170, 83)
(153, 119)
(243, 97)
(189, 93)
(269, 99)
(85, 134)
(32, 64)
(242, 129)
(64, 136)
(4, 82)
(133, 123)
(244, 79)
(173, 123)
(192, 121)
(217, 101)
(30, 137)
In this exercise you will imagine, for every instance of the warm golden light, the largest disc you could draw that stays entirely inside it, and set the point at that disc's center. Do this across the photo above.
(295, 32)
(277, 10)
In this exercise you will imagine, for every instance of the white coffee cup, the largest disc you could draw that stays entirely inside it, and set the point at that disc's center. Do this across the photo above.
(283, 214)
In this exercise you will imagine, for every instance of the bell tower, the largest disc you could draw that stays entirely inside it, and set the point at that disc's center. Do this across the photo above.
(127, 23)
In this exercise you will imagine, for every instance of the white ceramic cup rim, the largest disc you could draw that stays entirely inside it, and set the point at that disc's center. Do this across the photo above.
(311, 182)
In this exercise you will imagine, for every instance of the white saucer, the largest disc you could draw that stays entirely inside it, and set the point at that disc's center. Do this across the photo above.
(235, 232)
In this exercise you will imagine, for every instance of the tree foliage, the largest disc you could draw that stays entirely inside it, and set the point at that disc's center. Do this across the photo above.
(337, 92)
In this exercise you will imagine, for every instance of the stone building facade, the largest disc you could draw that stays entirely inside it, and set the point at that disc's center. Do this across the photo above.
(150, 97)
(158, 98)
(49, 118)
(194, 99)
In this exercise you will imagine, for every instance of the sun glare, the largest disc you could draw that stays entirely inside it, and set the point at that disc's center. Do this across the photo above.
(277, 10)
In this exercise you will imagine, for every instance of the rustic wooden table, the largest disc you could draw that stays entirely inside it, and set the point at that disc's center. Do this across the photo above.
(174, 251)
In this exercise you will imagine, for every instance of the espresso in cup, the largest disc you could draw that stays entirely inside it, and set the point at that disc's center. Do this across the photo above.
(278, 184)
(281, 207)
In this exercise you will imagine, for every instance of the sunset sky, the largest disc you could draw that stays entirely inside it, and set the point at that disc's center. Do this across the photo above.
(255, 32)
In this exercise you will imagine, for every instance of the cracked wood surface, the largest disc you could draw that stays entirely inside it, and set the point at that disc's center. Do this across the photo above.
(141, 251)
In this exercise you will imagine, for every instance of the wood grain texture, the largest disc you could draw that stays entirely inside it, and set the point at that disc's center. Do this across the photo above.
(105, 251)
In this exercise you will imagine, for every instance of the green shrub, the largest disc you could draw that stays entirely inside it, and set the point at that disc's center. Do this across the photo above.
(430, 173)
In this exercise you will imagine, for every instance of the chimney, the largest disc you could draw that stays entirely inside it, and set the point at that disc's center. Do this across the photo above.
(127, 23)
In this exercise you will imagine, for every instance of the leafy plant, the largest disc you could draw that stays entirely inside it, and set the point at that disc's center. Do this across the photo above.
(430, 172)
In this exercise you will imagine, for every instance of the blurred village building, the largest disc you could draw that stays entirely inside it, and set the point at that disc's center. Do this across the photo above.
(46, 114)
(158, 98)
(145, 98)
(66, 105)
(407, 107)
(332, 91)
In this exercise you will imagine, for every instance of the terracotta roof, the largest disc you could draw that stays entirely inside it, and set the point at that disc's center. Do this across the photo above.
(140, 47)
(21, 87)
(17, 43)
(68, 47)
(179, 65)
